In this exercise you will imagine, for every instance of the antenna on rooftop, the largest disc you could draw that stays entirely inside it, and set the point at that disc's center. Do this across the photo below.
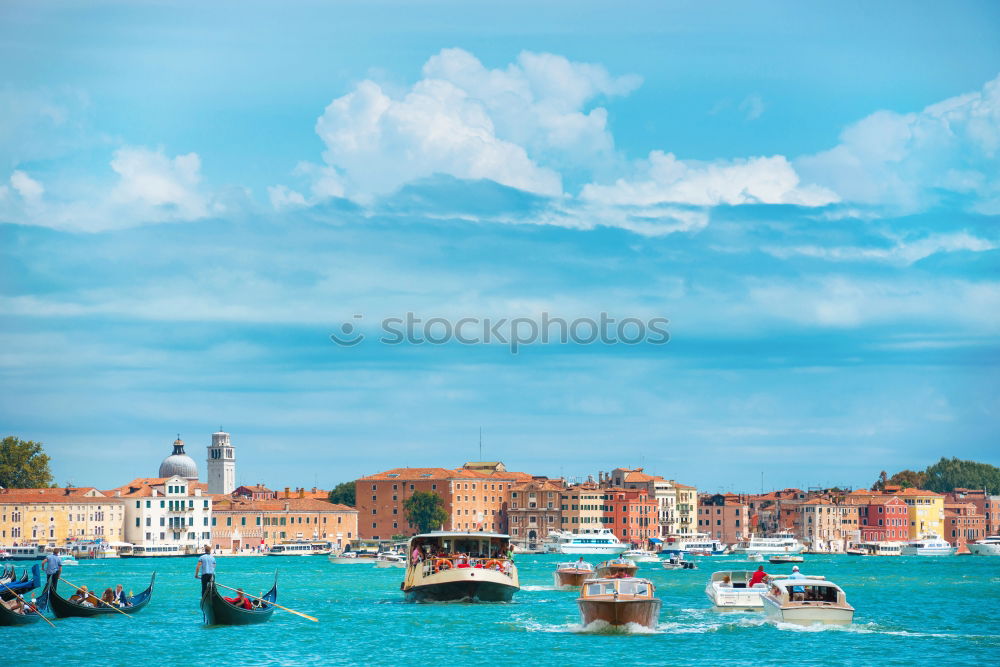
(480, 443)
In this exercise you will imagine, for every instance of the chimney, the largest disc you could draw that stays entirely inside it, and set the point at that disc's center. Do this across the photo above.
(286, 491)
(302, 493)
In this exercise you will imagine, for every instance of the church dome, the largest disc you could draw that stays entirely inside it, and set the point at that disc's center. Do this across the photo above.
(179, 463)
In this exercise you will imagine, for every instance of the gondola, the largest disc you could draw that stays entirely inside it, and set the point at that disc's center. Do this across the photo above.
(21, 586)
(63, 608)
(8, 617)
(219, 612)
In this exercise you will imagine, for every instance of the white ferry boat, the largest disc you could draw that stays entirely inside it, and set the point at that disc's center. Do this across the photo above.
(928, 545)
(779, 543)
(881, 548)
(989, 546)
(160, 551)
(24, 552)
(300, 548)
(455, 565)
(602, 541)
(698, 543)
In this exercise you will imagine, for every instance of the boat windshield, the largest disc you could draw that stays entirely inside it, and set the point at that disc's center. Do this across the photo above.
(633, 588)
(601, 588)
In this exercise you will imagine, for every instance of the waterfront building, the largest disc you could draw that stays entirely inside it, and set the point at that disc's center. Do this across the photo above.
(987, 505)
(41, 516)
(240, 522)
(926, 510)
(775, 511)
(166, 511)
(534, 510)
(825, 524)
(663, 491)
(685, 503)
(475, 498)
(963, 524)
(881, 518)
(582, 508)
(632, 515)
(221, 464)
(724, 517)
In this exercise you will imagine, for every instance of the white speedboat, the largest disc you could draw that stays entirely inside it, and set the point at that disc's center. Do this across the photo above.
(641, 556)
(696, 543)
(730, 590)
(779, 543)
(353, 557)
(68, 560)
(806, 601)
(989, 546)
(755, 557)
(928, 545)
(455, 565)
(601, 541)
(390, 559)
(781, 559)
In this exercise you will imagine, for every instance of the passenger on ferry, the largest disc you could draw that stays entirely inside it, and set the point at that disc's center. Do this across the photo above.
(759, 577)
(416, 557)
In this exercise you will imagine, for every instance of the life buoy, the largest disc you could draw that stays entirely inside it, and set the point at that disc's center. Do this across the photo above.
(442, 564)
(492, 565)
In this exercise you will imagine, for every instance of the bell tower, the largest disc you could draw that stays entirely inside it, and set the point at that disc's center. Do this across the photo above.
(221, 464)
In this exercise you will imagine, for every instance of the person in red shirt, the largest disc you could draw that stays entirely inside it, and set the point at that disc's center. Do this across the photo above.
(759, 577)
(240, 600)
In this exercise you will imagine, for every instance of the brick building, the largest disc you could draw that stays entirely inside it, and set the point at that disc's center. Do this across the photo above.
(632, 515)
(240, 522)
(881, 518)
(723, 517)
(534, 510)
(963, 523)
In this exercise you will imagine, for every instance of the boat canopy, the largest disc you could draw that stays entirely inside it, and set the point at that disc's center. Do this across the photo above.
(655, 540)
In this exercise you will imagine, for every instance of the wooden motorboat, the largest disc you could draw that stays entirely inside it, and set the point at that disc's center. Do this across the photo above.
(219, 612)
(63, 608)
(32, 615)
(805, 601)
(470, 566)
(730, 590)
(782, 558)
(619, 567)
(619, 601)
(572, 575)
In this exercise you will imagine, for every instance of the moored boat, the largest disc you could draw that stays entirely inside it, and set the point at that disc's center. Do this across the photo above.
(989, 546)
(572, 575)
(12, 587)
(456, 565)
(32, 614)
(619, 567)
(730, 590)
(928, 545)
(619, 602)
(390, 559)
(806, 601)
(600, 541)
(217, 611)
(63, 608)
(641, 556)
(772, 544)
(23, 552)
(353, 558)
(881, 548)
(699, 542)
(300, 548)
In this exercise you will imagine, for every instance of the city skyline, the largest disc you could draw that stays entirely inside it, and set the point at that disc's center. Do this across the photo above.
(193, 202)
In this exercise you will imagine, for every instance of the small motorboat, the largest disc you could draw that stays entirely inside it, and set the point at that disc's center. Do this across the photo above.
(730, 590)
(390, 559)
(353, 558)
(805, 601)
(779, 559)
(572, 575)
(755, 557)
(677, 562)
(619, 567)
(641, 556)
(68, 560)
(619, 602)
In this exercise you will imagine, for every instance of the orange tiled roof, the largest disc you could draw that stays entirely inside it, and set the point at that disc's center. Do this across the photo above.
(13, 498)
(915, 492)
(226, 503)
(55, 491)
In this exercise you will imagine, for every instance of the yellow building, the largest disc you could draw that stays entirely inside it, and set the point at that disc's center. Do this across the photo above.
(39, 516)
(926, 510)
(685, 510)
(582, 509)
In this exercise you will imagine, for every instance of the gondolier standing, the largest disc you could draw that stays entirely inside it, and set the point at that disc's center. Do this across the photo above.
(52, 566)
(206, 565)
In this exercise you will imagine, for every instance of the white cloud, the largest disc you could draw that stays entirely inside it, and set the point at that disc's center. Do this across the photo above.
(29, 189)
(909, 160)
(901, 252)
(165, 187)
(665, 179)
(752, 106)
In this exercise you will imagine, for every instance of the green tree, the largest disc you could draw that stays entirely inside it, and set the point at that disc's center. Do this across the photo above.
(948, 474)
(23, 464)
(343, 494)
(909, 479)
(425, 510)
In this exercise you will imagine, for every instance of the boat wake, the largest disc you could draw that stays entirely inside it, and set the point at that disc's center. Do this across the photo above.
(550, 587)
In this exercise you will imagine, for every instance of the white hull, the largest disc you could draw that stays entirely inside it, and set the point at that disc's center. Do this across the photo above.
(764, 549)
(388, 564)
(340, 560)
(735, 599)
(985, 549)
(808, 615)
(921, 551)
(584, 549)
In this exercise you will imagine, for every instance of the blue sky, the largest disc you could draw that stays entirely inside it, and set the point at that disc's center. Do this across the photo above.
(193, 198)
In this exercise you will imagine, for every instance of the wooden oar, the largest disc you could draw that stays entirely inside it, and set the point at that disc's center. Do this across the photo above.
(25, 603)
(108, 604)
(298, 613)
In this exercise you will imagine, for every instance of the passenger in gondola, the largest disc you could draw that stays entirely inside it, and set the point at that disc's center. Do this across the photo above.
(120, 598)
(16, 605)
(108, 596)
(82, 597)
(240, 600)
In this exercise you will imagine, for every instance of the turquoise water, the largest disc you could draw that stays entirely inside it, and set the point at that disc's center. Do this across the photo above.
(910, 610)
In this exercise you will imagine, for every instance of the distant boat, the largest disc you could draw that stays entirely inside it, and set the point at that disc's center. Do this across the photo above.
(219, 612)
(641, 556)
(619, 602)
(390, 559)
(779, 559)
(928, 545)
(33, 615)
(619, 567)
(700, 542)
(300, 548)
(601, 541)
(773, 544)
(989, 546)
(572, 575)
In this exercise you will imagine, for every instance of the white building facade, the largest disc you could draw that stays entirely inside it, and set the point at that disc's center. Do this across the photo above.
(221, 465)
(171, 512)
